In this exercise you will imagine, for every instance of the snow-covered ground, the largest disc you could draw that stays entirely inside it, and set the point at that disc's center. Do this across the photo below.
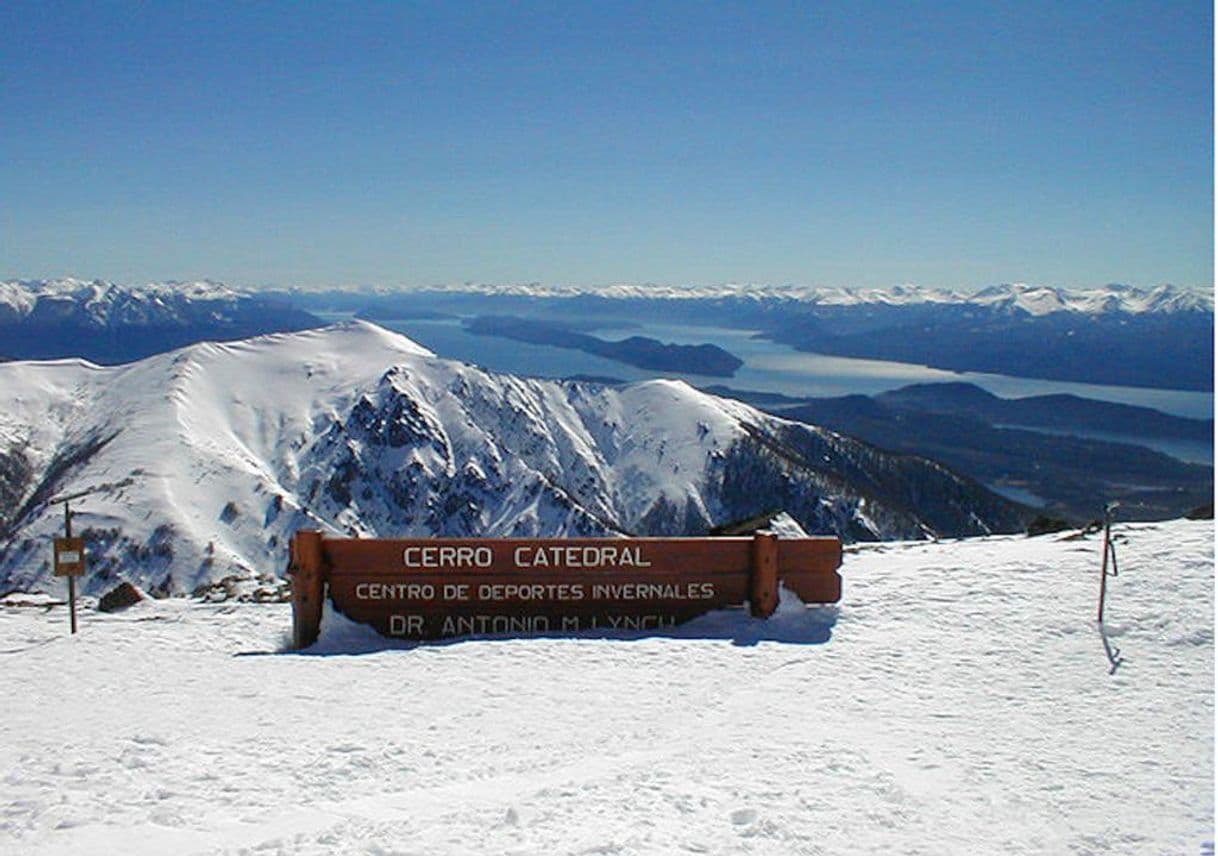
(960, 700)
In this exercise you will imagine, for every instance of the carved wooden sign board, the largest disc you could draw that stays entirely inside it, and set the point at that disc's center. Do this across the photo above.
(438, 588)
(69, 557)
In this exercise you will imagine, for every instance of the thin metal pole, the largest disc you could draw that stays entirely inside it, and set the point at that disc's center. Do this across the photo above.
(1109, 513)
(1099, 616)
(67, 527)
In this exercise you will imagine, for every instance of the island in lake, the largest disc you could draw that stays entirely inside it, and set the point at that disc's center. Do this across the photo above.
(1063, 454)
(640, 351)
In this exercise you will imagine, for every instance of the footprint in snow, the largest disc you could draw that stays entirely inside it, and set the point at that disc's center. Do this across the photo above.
(744, 816)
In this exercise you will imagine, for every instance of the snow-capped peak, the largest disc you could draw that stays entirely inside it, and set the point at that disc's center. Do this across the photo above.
(1032, 299)
(209, 457)
(101, 302)
(104, 302)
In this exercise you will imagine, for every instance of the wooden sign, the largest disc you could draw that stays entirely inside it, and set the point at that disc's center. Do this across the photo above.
(69, 557)
(437, 588)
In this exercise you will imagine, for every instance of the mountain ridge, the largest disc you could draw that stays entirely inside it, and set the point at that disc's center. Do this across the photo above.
(1033, 299)
(1071, 454)
(1119, 335)
(214, 454)
(1057, 410)
(109, 323)
(1116, 335)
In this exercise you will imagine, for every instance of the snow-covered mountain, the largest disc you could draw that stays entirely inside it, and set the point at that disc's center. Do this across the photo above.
(1109, 300)
(102, 303)
(1116, 335)
(1009, 297)
(109, 323)
(207, 459)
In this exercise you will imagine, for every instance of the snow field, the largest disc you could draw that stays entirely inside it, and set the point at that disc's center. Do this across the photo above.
(959, 700)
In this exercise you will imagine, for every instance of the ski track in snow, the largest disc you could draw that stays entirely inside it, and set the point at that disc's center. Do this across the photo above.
(963, 704)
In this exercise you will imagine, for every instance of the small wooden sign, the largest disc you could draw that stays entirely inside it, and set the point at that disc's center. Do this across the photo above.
(437, 588)
(69, 557)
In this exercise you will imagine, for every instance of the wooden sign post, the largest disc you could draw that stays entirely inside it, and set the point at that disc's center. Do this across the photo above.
(69, 561)
(437, 588)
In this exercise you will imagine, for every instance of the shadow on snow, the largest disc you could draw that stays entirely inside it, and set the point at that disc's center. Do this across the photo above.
(792, 624)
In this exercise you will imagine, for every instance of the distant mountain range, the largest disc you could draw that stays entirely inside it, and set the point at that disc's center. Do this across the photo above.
(108, 323)
(202, 462)
(1161, 337)
(1058, 412)
(1068, 454)
(1119, 335)
(1010, 297)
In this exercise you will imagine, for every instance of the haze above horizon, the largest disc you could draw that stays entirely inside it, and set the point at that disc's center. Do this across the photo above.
(952, 145)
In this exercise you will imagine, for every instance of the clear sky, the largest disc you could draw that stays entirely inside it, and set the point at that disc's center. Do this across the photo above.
(852, 143)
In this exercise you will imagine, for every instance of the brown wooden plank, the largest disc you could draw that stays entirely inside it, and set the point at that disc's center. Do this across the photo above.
(436, 588)
(499, 556)
(763, 576)
(556, 590)
(608, 555)
(445, 623)
(809, 554)
(308, 587)
(815, 588)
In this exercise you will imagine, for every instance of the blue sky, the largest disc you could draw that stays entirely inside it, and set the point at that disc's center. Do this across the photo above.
(955, 144)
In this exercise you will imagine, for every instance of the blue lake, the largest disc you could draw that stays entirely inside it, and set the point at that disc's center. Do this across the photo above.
(1018, 494)
(768, 366)
(773, 367)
